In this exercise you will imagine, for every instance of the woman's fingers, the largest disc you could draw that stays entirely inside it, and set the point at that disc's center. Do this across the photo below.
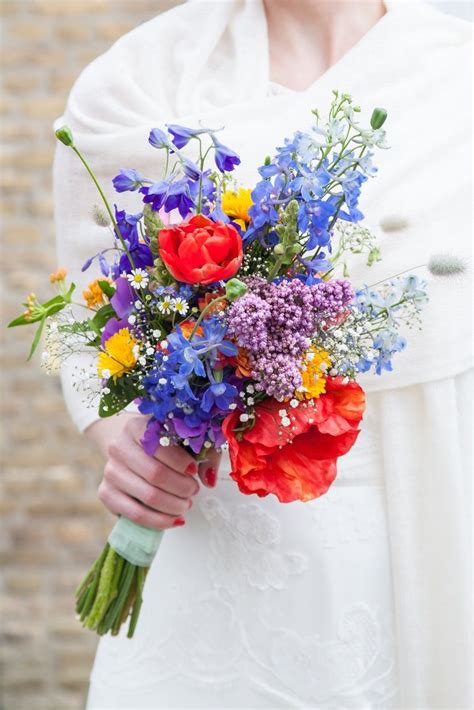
(122, 504)
(209, 467)
(174, 457)
(135, 486)
(131, 455)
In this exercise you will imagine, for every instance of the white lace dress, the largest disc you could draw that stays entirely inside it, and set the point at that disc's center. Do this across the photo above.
(359, 599)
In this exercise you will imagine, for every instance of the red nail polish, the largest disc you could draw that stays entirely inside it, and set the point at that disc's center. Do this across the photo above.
(210, 477)
(191, 469)
(179, 521)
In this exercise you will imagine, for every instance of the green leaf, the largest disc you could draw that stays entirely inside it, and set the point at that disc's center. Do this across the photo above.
(53, 301)
(23, 320)
(121, 393)
(37, 337)
(70, 291)
(103, 315)
(106, 288)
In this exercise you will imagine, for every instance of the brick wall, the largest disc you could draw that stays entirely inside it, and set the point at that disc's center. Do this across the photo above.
(52, 523)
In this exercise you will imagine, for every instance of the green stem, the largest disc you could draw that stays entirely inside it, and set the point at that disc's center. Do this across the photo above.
(276, 268)
(400, 273)
(204, 311)
(101, 600)
(90, 575)
(105, 201)
(141, 574)
(117, 607)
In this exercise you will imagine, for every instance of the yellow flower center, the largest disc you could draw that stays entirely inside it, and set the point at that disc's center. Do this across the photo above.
(236, 205)
(313, 373)
(119, 356)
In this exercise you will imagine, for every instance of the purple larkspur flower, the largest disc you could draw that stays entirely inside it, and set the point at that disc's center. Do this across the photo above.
(158, 138)
(122, 300)
(225, 158)
(128, 180)
(181, 135)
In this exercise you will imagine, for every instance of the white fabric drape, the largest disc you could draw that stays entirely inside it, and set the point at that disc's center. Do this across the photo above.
(207, 61)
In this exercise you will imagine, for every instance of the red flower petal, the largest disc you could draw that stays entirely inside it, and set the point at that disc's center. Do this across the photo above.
(201, 251)
(297, 462)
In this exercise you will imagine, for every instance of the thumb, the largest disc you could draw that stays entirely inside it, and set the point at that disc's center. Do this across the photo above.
(209, 467)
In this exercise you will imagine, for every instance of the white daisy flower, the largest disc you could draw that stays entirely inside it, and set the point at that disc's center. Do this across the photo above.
(138, 278)
(180, 306)
(166, 305)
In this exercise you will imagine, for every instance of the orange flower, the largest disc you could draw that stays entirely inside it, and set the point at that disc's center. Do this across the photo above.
(57, 276)
(94, 296)
(243, 368)
(187, 328)
(292, 452)
(208, 298)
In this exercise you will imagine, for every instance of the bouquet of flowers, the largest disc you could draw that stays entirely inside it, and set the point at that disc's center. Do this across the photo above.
(227, 315)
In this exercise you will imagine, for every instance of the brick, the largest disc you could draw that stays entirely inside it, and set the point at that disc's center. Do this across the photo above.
(29, 31)
(86, 56)
(17, 130)
(13, 181)
(111, 31)
(62, 83)
(72, 532)
(22, 583)
(27, 157)
(21, 83)
(27, 56)
(71, 7)
(73, 32)
(44, 107)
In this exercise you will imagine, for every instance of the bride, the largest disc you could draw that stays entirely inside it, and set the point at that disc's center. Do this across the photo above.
(359, 599)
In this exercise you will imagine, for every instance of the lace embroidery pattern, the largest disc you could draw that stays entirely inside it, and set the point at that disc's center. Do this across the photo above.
(234, 632)
(246, 546)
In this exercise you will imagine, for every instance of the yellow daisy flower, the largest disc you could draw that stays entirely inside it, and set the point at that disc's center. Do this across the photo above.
(119, 356)
(313, 372)
(236, 205)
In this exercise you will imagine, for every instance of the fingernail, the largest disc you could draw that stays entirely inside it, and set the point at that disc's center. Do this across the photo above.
(210, 477)
(191, 469)
(179, 521)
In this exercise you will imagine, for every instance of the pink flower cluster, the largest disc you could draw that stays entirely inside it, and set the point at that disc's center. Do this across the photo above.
(275, 323)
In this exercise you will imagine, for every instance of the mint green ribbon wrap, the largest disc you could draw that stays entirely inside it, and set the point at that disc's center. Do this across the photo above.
(135, 543)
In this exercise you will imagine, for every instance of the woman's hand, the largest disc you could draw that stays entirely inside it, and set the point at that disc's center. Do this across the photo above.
(152, 491)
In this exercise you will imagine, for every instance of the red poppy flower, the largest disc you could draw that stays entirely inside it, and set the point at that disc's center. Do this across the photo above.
(201, 251)
(296, 462)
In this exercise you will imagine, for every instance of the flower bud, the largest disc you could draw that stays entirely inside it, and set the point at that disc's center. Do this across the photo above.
(446, 265)
(234, 289)
(378, 118)
(64, 134)
(279, 249)
(100, 217)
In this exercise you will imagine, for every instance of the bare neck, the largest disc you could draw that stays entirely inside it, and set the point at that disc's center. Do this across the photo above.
(306, 37)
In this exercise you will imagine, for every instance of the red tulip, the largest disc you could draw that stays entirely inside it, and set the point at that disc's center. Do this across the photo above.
(201, 251)
(295, 462)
